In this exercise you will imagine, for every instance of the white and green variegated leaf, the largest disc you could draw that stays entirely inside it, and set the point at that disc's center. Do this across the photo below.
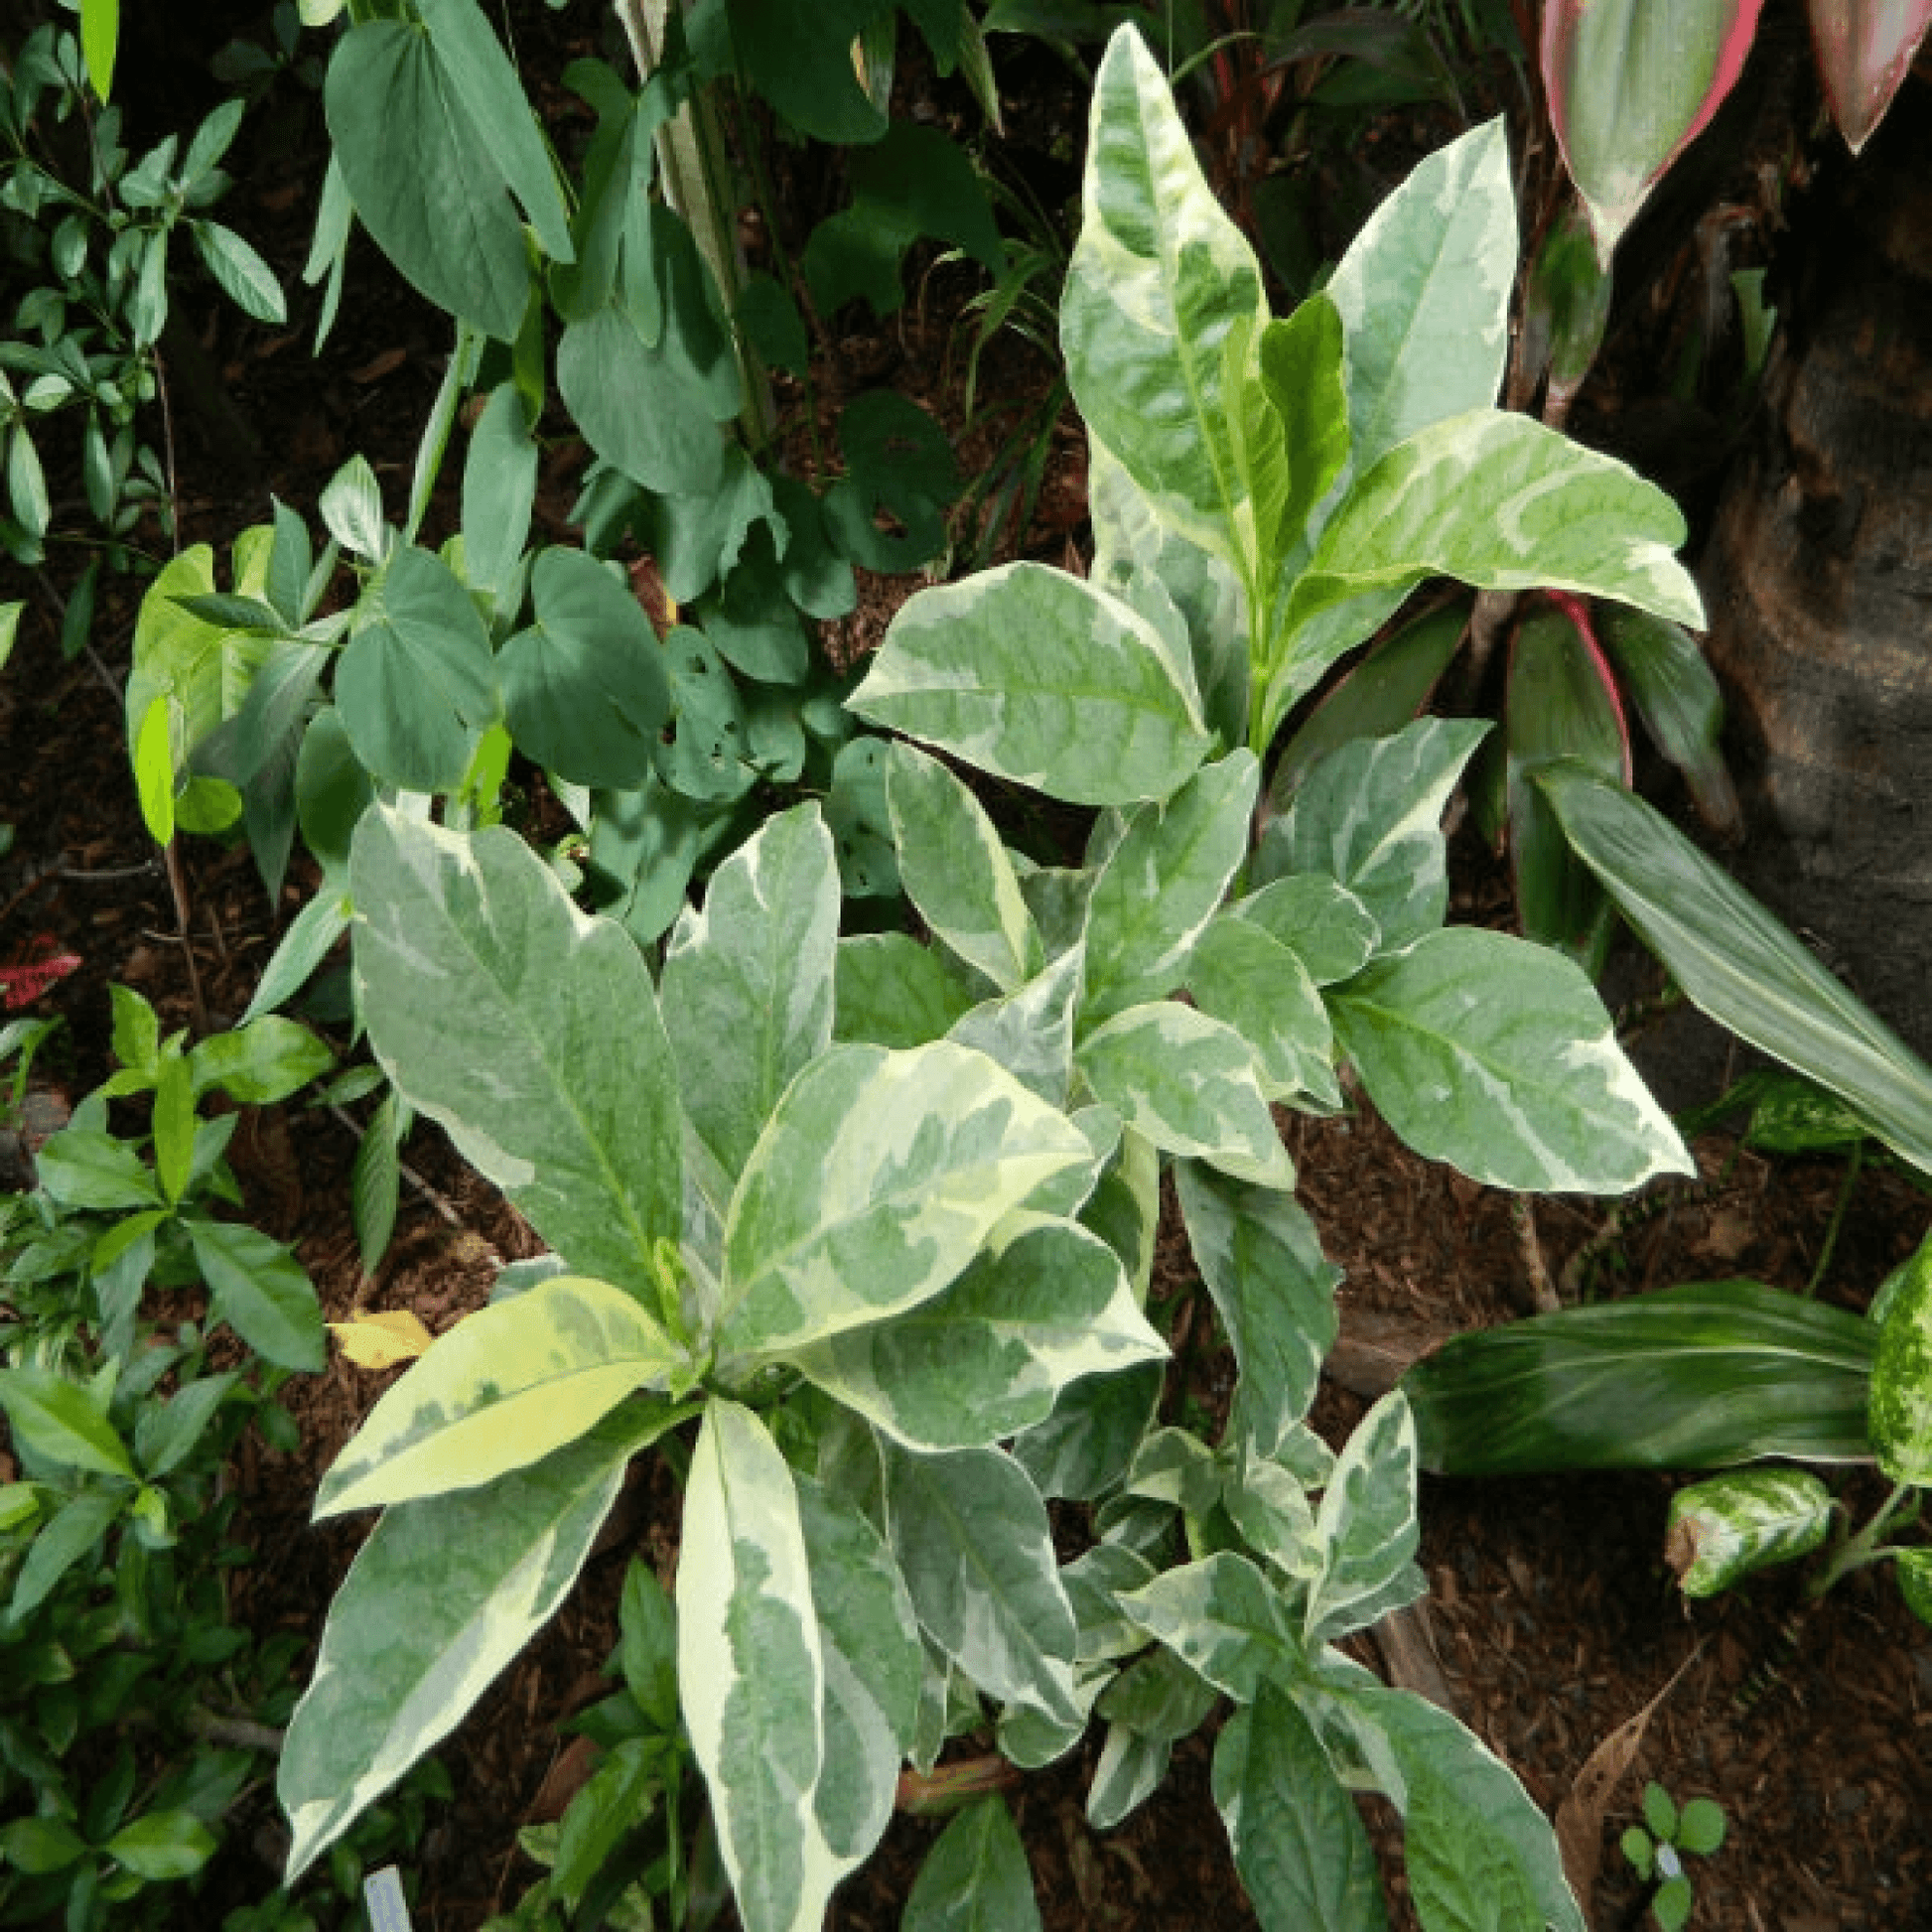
(975, 1878)
(1058, 897)
(528, 1029)
(1161, 282)
(1163, 883)
(975, 1545)
(1268, 1502)
(1502, 502)
(1899, 1411)
(1743, 1520)
(1274, 1291)
(1039, 678)
(1044, 1305)
(1423, 292)
(874, 1662)
(1496, 1055)
(502, 1389)
(1132, 543)
(1033, 1740)
(956, 872)
(1243, 976)
(1460, 1872)
(1369, 815)
(1084, 1447)
(1175, 1467)
(1066, 1195)
(1094, 1581)
(1224, 1618)
(1318, 919)
(891, 991)
(747, 986)
(1190, 1085)
(1418, 1752)
(750, 1672)
(1130, 1770)
(1030, 1031)
(1366, 1528)
(1298, 1839)
(873, 1184)
(1124, 1208)
(1159, 1698)
(440, 1598)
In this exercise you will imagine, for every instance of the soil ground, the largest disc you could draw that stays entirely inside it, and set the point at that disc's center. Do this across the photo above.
(1552, 1619)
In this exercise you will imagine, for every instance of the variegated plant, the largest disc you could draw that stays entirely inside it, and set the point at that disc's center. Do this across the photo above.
(876, 1217)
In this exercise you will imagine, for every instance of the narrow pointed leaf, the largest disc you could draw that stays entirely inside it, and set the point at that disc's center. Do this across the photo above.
(975, 1878)
(1669, 679)
(752, 1672)
(1366, 1528)
(61, 1422)
(1498, 1056)
(1690, 1377)
(1630, 86)
(1037, 677)
(502, 1389)
(483, 988)
(1160, 284)
(1738, 964)
(748, 982)
(257, 1287)
(1864, 50)
(442, 1597)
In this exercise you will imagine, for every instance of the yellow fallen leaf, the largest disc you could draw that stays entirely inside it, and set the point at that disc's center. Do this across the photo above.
(382, 1341)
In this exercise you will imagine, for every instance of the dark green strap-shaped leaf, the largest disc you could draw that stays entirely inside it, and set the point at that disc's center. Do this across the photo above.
(529, 1030)
(1669, 679)
(1298, 1839)
(440, 1598)
(1736, 962)
(1691, 1377)
(424, 177)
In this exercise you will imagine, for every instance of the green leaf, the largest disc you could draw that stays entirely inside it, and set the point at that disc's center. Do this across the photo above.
(62, 1422)
(748, 982)
(100, 35)
(167, 1431)
(1316, 918)
(416, 682)
(891, 991)
(1899, 1414)
(1036, 677)
(1187, 1083)
(257, 1287)
(976, 1549)
(499, 485)
(1366, 1529)
(1223, 1617)
(751, 1672)
(1736, 963)
(1690, 1377)
(1701, 1828)
(352, 511)
(1496, 1055)
(260, 1062)
(1430, 1764)
(174, 1126)
(161, 1845)
(201, 669)
(27, 483)
(244, 278)
(37, 1846)
(502, 1390)
(873, 1184)
(1370, 816)
(480, 77)
(1303, 366)
(1275, 1292)
(442, 1597)
(975, 1878)
(647, 1621)
(618, 1795)
(423, 173)
(1461, 1872)
(956, 872)
(874, 1667)
(531, 1031)
(1163, 883)
(583, 687)
(1243, 976)
(1743, 1520)
(1503, 504)
(1298, 1839)
(81, 1169)
(1663, 670)
(72, 1536)
(1031, 1032)
(920, 177)
(985, 1359)
(800, 60)
(1162, 314)
(10, 616)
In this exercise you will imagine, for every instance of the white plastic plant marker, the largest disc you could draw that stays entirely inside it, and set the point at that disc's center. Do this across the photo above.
(383, 1897)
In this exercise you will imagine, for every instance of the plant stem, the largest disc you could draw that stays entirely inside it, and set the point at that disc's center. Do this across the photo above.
(1847, 1188)
(1855, 1552)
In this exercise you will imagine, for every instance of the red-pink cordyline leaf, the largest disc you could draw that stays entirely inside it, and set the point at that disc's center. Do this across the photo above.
(24, 978)
(1631, 84)
(1864, 48)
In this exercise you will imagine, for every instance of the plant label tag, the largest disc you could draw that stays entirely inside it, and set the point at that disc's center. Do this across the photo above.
(383, 1897)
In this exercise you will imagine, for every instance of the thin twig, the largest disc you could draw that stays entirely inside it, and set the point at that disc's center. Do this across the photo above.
(178, 886)
(1541, 1289)
(168, 445)
(242, 1733)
